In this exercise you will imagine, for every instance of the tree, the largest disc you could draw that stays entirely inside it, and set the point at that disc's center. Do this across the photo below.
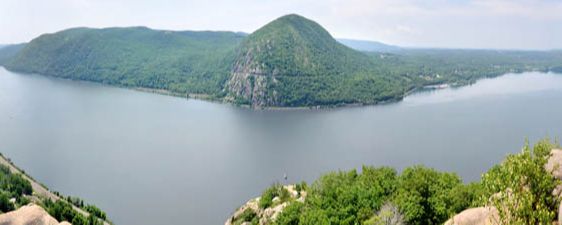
(423, 195)
(5, 204)
(521, 188)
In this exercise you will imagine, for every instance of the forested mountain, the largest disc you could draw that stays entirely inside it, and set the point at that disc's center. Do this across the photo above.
(195, 62)
(8, 51)
(293, 61)
(290, 62)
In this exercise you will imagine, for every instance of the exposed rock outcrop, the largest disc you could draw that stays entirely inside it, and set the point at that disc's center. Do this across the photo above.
(476, 216)
(267, 215)
(251, 86)
(554, 165)
(29, 215)
(490, 215)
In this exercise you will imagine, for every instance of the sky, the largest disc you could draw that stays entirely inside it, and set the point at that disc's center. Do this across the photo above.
(496, 24)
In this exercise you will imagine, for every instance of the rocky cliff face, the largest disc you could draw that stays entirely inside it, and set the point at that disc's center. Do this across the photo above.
(249, 84)
(291, 61)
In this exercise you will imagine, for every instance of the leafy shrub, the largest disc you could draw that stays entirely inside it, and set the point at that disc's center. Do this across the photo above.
(63, 211)
(60, 210)
(5, 204)
(276, 190)
(314, 217)
(247, 216)
(301, 186)
(266, 198)
(14, 183)
(79, 220)
(290, 215)
(424, 195)
(95, 211)
(521, 188)
(19, 185)
(349, 197)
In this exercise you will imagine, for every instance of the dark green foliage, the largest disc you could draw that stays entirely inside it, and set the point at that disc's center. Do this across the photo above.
(267, 198)
(276, 190)
(290, 215)
(16, 184)
(295, 46)
(75, 201)
(465, 196)
(95, 211)
(520, 188)
(302, 63)
(194, 62)
(5, 204)
(13, 186)
(523, 186)
(343, 197)
(460, 67)
(352, 197)
(79, 220)
(92, 220)
(311, 68)
(62, 211)
(424, 195)
(314, 216)
(302, 186)
(247, 216)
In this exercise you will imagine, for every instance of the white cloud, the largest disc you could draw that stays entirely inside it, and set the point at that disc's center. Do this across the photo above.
(441, 23)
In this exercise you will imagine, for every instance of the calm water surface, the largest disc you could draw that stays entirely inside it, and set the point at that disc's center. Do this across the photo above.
(152, 159)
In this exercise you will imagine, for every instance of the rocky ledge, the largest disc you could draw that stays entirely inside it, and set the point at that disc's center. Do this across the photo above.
(489, 215)
(29, 215)
(252, 213)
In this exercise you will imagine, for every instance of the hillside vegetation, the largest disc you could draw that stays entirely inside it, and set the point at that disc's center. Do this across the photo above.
(195, 62)
(520, 188)
(18, 190)
(293, 61)
(289, 62)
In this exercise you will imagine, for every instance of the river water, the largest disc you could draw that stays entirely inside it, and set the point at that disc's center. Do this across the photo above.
(153, 159)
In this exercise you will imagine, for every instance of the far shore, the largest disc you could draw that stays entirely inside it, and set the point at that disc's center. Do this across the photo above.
(209, 98)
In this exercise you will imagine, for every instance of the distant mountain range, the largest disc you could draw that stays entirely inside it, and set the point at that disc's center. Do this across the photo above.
(290, 62)
(368, 46)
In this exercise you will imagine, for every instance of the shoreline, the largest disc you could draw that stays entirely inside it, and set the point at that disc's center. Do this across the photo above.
(210, 98)
(39, 189)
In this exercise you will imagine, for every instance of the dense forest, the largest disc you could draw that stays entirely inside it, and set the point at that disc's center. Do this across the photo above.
(520, 188)
(290, 62)
(195, 62)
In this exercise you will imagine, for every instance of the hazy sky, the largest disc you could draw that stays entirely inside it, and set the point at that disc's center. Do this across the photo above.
(514, 24)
